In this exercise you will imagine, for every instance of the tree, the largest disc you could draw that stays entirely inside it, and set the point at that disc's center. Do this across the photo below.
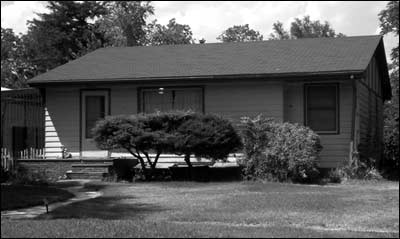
(280, 32)
(125, 22)
(389, 23)
(63, 34)
(240, 33)
(171, 34)
(15, 69)
(303, 28)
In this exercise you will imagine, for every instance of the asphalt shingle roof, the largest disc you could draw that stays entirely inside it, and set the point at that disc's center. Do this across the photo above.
(313, 55)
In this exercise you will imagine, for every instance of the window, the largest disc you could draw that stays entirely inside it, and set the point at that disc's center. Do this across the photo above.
(321, 113)
(95, 110)
(168, 99)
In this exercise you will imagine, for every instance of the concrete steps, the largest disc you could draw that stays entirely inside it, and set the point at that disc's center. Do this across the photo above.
(97, 169)
(94, 171)
(86, 175)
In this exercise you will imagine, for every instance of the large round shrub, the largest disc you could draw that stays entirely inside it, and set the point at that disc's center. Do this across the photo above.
(279, 151)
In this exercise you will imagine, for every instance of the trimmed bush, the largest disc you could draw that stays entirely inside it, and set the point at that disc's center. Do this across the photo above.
(140, 135)
(186, 133)
(208, 136)
(279, 151)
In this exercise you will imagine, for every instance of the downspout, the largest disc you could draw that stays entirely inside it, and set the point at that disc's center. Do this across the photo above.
(354, 126)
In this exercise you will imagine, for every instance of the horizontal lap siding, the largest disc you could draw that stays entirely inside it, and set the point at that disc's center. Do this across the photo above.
(335, 147)
(123, 100)
(61, 121)
(237, 100)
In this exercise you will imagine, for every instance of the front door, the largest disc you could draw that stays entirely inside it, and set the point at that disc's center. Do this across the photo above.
(95, 106)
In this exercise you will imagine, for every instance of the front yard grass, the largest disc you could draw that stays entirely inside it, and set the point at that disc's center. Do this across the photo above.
(21, 196)
(227, 209)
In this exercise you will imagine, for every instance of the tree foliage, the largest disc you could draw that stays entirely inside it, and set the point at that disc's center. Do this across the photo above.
(125, 22)
(62, 34)
(240, 33)
(303, 28)
(169, 132)
(171, 34)
(208, 136)
(15, 69)
(279, 151)
(389, 23)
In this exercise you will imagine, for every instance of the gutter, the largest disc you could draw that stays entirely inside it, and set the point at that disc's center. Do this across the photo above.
(204, 77)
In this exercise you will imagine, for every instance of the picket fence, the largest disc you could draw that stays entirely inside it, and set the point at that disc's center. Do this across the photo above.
(8, 161)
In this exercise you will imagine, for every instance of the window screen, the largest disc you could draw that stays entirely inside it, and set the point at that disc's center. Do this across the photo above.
(95, 110)
(321, 108)
(172, 99)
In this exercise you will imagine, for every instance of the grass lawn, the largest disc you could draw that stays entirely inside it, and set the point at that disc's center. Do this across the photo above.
(20, 196)
(225, 209)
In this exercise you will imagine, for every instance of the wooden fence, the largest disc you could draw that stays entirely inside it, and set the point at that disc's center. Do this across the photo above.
(7, 162)
(22, 123)
(31, 153)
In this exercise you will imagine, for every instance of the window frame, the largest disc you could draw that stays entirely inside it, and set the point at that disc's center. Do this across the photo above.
(141, 91)
(337, 106)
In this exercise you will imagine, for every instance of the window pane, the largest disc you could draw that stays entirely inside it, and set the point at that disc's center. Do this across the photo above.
(322, 107)
(322, 120)
(188, 99)
(321, 96)
(153, 101)
(173, 99)
(95, 110)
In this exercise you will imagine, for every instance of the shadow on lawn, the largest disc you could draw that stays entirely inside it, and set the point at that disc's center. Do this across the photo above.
(102, 208)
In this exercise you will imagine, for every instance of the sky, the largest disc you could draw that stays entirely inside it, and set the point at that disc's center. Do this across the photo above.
(208, 19)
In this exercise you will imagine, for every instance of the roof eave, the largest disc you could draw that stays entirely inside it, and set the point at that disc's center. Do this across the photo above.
(294, 75)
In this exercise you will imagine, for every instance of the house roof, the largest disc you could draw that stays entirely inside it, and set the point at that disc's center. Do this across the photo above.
(273, 57)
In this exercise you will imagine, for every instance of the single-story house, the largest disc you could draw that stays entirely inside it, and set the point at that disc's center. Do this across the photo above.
(336, 86)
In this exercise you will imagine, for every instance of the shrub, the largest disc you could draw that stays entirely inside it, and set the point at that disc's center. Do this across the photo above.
(4, 175)
(208, 136)
(185, 133)
(336, 175)
(391, 153)
(123, 169)
(23, 176)
(139, 135)
(279, 151)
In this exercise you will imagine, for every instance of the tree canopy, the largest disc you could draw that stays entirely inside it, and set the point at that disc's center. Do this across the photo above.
(15, 70)
(124, 23)
(63, 34)
(240, 33)
(303, 28)
(389, 23)
(171, 34)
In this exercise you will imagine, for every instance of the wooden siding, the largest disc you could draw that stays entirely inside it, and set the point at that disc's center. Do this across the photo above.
(237, 100)
(61, 121)
(369, 113)
(124, 100)
(336, 146)
(230, 100)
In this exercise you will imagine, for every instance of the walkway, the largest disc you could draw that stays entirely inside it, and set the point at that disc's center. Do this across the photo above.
(35, 211)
